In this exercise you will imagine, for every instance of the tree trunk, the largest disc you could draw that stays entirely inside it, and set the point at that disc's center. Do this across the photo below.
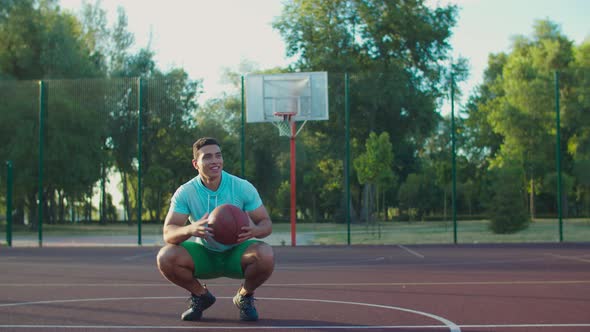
(384, 206)
(364, 205)
(60, 207)
(51, 207)
(445, 205)
(88, 206)
(32, 207)
(19, 216)
(377, 201)
(532, 199)
(564, 203)
(126, 197)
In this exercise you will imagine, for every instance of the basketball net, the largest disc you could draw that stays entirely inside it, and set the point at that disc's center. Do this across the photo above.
(284, 122)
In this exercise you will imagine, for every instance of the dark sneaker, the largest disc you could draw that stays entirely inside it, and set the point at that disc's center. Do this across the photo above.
(246, 305)
(198, 304)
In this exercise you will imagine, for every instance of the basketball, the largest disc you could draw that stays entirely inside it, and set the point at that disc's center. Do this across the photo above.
(227, 221)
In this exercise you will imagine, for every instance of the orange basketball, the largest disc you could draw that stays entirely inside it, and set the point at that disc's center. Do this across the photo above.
(227, 221)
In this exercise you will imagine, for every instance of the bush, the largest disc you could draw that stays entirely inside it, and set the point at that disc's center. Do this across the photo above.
(507, 207)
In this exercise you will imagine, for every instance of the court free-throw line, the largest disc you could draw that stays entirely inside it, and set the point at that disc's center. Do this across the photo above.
(446, 323)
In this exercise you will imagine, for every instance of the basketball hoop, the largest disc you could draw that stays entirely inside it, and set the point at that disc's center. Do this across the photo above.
(284, 122)
(282, 99)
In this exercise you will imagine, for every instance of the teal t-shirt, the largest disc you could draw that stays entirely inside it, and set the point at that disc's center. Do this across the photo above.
(194, 199)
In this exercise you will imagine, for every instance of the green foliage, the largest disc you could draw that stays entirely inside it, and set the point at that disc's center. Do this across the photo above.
(512, 116)
(38, 41)
(374, 165)
(91, 126)
(507, 208)
(395, 53)
(419, 193)
(550, 184)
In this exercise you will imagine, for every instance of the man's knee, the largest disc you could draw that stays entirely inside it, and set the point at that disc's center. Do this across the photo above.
(266, 254)
(260, 254)
(170, 255)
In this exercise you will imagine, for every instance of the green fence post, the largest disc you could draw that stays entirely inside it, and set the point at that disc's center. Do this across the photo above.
(454, 163)
(9, 203)
(347, 155)
(558, 155)
(139, 162)
(42, 92)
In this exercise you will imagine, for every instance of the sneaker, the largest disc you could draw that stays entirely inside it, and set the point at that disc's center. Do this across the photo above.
(246, 305)
(198, 304)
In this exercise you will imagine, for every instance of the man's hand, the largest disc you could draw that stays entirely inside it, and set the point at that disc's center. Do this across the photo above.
(176, 230)
(260, 225)
(248, 232)
(201, 228)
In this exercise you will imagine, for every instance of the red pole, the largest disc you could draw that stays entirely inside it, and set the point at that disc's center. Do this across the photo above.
(293, 210)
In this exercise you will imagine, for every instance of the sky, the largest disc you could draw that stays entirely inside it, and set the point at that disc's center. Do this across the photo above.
(206, 36)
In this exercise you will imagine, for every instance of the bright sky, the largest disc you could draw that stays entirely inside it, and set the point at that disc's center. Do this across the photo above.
(205, 36)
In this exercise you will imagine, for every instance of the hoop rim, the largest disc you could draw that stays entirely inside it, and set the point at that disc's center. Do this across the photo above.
(286, 116)
(284, 113)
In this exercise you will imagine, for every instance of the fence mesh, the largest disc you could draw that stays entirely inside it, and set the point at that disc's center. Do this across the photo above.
(107, 154)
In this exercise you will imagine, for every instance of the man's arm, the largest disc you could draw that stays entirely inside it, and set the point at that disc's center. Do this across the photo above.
(176, 232)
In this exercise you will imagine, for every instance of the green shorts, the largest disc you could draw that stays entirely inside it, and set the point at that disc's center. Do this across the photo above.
(211, 264)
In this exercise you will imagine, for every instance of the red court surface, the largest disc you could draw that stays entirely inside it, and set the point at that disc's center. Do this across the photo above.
(516, 288)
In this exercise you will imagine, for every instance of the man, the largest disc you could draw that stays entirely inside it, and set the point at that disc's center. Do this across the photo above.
(184, 259)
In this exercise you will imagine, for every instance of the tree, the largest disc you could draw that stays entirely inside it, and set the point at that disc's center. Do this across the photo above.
(507, 208)
(417, 194)
(373, 168)
(397, 54)
(518, 104)
(577, 120)
(38, 41)
(482, 143)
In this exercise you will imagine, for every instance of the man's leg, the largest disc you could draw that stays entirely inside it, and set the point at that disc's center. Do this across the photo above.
(176, 265)
(258, 264)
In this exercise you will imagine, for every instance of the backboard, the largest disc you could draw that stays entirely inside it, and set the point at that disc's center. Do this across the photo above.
(303, 94)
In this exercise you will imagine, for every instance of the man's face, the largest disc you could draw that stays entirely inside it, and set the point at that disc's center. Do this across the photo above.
(209, 161)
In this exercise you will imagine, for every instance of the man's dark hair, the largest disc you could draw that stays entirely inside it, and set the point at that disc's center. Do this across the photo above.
(201, 142)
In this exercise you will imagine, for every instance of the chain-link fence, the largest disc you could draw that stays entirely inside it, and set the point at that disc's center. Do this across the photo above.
(95, 162)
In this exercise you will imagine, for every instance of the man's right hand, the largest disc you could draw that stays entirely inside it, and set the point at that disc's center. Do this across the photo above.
(176, 231)
(201, 228)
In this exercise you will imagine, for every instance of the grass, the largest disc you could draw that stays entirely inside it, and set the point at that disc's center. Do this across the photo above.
(574, 230)
(545, 230)
(89, 229)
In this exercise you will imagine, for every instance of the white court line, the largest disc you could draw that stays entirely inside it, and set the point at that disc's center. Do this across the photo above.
(355, 284)
(527, 326)
(275, 327)
(269, 327)
(130, 258)
(446, 323)
(571, 258)
(411, 251)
